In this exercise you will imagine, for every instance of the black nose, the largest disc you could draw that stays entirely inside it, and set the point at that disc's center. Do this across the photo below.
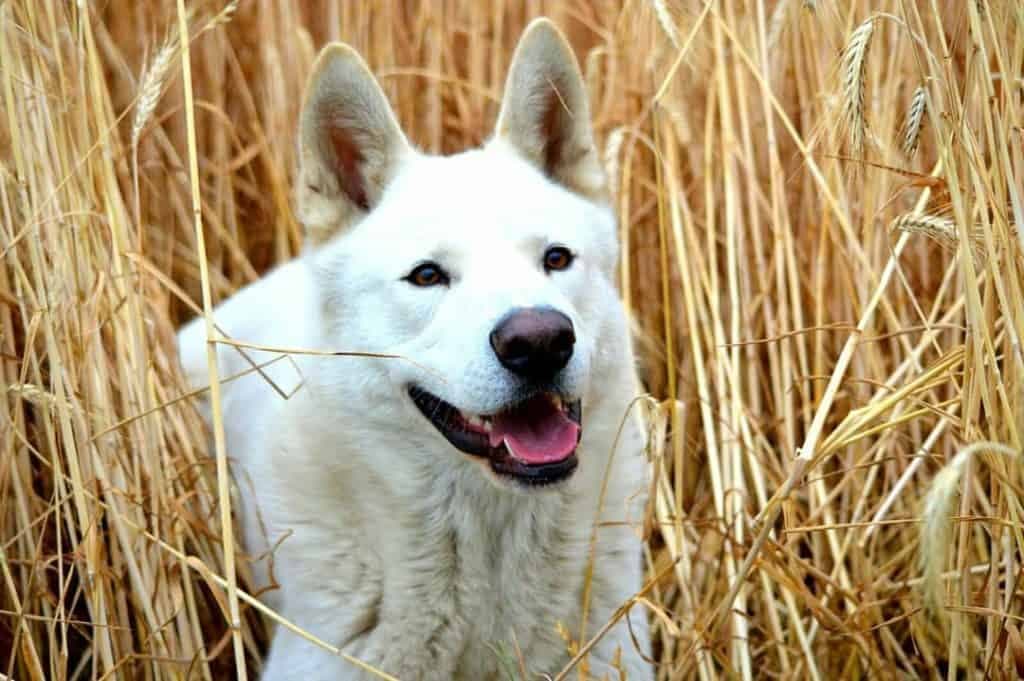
(533, 342)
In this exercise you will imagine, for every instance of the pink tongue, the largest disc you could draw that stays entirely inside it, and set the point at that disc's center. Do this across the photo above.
(536, 432)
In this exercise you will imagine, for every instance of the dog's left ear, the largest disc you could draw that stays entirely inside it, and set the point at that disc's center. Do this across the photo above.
(350, 144)
(544, 112)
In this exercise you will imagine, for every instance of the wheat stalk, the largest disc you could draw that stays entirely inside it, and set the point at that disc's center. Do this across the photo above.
(853, 67)
(936, 532)
(226, 14)
(911, 135)
(37, 396)
(938, 227)
(152, 87)
(665, 20)
(224, 497)
(612, 151)
(943, 230)
(156, 75)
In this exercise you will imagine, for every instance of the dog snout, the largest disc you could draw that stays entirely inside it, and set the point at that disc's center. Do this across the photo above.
(534, 343)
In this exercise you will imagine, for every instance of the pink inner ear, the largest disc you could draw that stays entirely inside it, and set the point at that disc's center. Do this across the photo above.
(552, 128)
(348, 162)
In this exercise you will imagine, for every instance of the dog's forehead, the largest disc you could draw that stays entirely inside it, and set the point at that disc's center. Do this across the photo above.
(479, 190)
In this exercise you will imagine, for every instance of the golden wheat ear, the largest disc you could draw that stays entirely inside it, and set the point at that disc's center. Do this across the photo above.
(350, 144)
(544, 113)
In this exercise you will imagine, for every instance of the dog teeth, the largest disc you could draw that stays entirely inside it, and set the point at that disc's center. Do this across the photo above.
(481, 422)
(478, 422)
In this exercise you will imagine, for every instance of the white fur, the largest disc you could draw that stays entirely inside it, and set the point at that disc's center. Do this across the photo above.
(396, 547)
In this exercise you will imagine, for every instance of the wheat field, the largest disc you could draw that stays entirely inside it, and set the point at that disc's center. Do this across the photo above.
(820, 205)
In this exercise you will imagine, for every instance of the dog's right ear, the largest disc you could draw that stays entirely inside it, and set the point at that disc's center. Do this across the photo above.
(544, 113)
(350, 144)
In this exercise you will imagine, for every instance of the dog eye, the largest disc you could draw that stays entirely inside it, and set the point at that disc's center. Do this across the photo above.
(557, 258)
(427, 274)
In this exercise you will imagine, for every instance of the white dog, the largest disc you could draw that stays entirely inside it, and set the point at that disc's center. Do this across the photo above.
(432, 512)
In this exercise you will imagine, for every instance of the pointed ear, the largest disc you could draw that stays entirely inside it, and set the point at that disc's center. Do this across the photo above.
(544, 113)
(350, 144)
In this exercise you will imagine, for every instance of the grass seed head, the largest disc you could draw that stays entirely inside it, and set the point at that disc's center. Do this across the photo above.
(152, 87)
(911, 135)
(944, 231)
(936, 533)
(854, 67)
(665, 19)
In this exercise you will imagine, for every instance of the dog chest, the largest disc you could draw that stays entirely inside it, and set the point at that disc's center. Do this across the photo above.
(517, 574)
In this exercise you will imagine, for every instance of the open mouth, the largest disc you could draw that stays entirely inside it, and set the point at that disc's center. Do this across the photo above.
(533, 442)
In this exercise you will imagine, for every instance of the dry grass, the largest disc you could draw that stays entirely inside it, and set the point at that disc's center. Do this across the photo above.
(914, 121)
(812, 369)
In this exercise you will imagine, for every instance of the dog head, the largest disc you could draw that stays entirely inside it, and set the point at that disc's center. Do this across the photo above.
(490, 271)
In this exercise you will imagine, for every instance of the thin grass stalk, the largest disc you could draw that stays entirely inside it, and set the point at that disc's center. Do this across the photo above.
(223, 490)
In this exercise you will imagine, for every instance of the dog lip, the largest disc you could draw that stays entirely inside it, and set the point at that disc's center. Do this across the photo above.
(534, 475)
(468, 439)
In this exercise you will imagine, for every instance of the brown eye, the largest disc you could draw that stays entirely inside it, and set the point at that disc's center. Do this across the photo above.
(427, 274)
(557, 258)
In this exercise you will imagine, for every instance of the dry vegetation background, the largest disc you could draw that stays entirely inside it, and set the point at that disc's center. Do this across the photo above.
(820, 200)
